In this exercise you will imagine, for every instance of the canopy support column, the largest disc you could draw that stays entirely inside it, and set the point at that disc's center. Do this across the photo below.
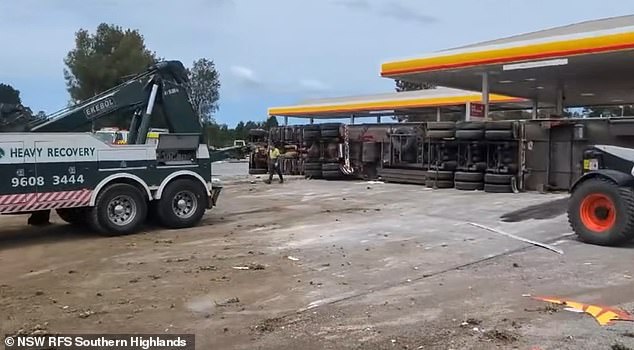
(467, 114)
(437, 114)
(312, 120)
(559, 105)
(378, 120)
(286, 121)
(485, 94)
(352, 119)
(534, 110)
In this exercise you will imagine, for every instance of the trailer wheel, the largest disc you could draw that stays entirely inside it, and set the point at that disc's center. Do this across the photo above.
(120, 209)
(600, 212)
(182, 204)
(73, 216)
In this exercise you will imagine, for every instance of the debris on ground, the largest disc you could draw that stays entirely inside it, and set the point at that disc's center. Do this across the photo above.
(471, 322)
(250, 267)
(548, 309)
(86, 314)
(165, 241)
(170, 260)
(207, 268)
(619, 346)
(293, 258)
(604, 315)
(234, 300)
(526, 240)
(269, 325)
(501, 335)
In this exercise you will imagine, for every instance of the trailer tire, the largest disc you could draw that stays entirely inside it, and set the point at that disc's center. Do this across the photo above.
(461, 176)
(474, 125)
(330, 167)
(312, 166)
(492, 188)
(440, 134)
(439, 184)
(601, 212)
(499, 135)
(441, 125)
(73, 216)
(118, 202)
(498, 179)
(499, 125)
(332, 174)
(469, 186)
(313, 174)
(182, 204)
(440, 175)
(469, 134)
(311, 135)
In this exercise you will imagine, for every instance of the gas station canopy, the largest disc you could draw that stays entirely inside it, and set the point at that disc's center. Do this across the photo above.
(393, 104)
(584, 64)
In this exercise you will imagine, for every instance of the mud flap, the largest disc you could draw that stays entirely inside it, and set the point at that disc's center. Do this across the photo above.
(215, 193)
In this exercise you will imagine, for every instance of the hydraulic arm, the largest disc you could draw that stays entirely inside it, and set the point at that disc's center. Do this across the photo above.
(160, 89)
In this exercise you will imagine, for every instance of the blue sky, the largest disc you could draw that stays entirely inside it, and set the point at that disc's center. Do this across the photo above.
(273, 52)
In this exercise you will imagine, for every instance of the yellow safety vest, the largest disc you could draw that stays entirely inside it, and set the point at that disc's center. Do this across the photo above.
(274, 153)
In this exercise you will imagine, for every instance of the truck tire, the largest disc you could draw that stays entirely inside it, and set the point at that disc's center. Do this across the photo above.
(441, 125)
(498, 179)
(469, 134)
(440, 175)
(475, 125)
(440, 134)
(499, 125)
(312, 166)
(313, 174)
(182, 204)
(311, 135)
(330, 167)
(601, 212)
(461, 176)
(491, 188)
(499, 135)
(332, 174)
(73, 216)
(120, 209)
(330, 133)
(439, 184)
(469, 186)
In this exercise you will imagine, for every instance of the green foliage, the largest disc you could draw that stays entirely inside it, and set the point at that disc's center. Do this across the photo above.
(99, 61)
(223, 136)
(9, 95)
(204, 86)
(402, 85)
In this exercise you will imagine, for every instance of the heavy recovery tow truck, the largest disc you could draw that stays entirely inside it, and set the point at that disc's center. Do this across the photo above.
(113, 187)
(601, 206)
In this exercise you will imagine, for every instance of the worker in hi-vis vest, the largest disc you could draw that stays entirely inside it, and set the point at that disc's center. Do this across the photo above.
(274, 163)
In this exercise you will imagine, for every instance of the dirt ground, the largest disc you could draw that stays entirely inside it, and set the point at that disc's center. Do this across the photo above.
(326, 265)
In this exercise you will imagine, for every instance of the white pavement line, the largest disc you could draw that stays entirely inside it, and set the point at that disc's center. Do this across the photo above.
(526, 240)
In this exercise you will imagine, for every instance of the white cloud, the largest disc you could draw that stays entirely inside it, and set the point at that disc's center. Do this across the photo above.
(245, 75)
(313, 85)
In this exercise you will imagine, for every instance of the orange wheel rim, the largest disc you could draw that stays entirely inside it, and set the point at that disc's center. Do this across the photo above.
(598, 212)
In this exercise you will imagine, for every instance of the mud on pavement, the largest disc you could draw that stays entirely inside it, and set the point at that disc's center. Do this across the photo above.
(315, 264)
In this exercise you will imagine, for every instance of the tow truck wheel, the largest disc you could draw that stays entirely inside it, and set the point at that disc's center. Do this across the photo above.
(182, 204)
(601, 212)
(120, 209)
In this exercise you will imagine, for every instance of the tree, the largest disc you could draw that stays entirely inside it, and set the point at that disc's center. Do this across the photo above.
(100, 60)
(9, 95)
(402, 85)
(204, 86)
